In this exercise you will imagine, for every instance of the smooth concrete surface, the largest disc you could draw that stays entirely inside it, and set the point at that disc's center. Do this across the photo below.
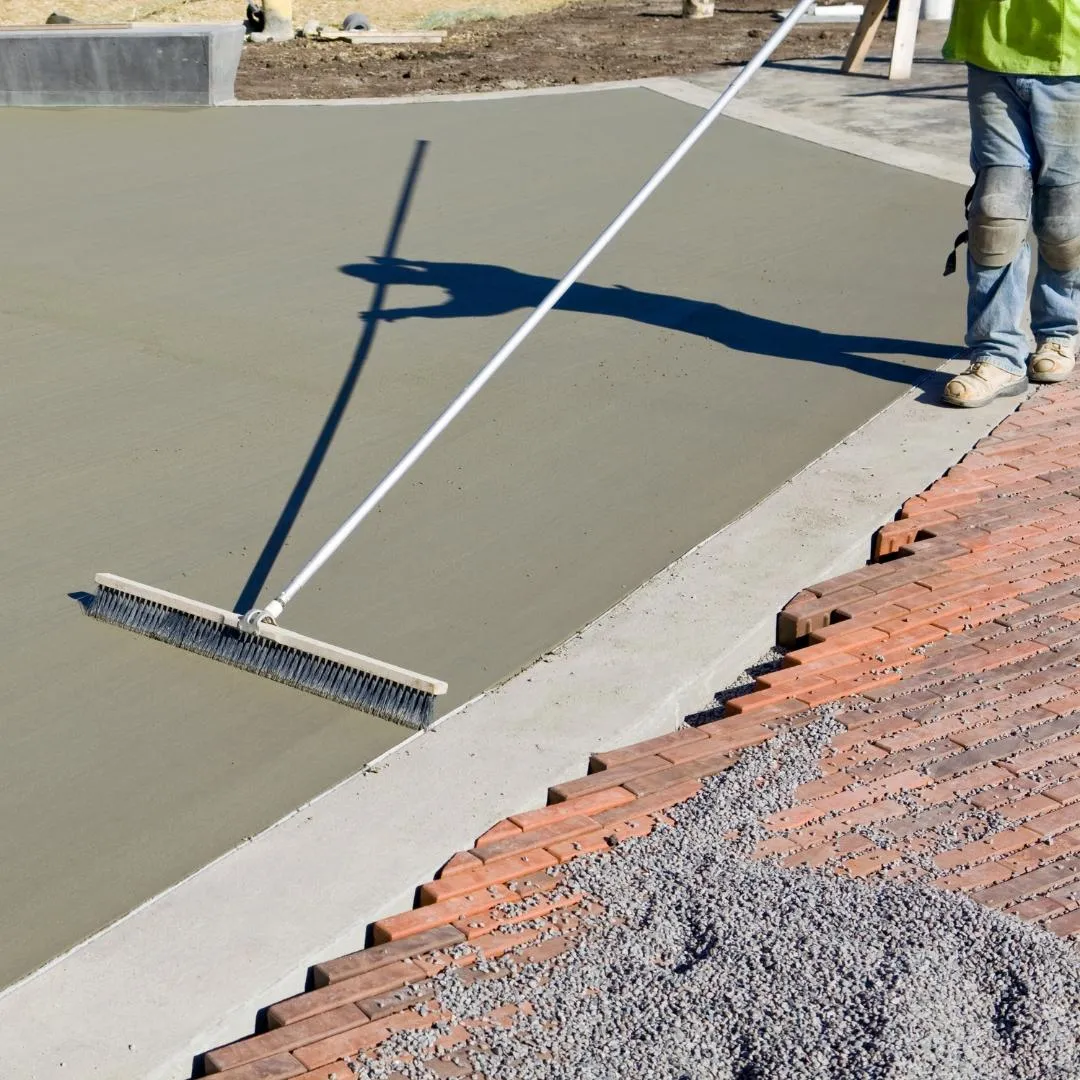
(163, 64)
(241, 933)
(178, 352)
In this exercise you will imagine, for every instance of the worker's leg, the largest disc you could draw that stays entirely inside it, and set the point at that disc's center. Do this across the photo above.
(1054, 107)
(999, 257)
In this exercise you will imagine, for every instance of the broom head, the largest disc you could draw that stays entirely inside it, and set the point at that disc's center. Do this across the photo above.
(350, 678)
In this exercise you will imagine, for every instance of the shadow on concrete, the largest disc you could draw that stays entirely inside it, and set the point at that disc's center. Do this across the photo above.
(477, 290)
(264, 564)
(952, 92)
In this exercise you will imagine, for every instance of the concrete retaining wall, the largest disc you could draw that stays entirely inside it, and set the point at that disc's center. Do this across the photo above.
(140, 65)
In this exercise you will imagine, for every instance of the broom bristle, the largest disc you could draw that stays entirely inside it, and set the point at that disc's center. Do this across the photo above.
(343, 683)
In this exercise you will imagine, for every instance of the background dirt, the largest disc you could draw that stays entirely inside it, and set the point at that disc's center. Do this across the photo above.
(577, 43)
(385, 14)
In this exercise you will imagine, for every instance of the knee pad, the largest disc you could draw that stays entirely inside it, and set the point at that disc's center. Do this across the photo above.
(999, 215)
(1057, 225)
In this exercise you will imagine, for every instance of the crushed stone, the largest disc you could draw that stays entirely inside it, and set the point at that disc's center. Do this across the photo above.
(709, 965)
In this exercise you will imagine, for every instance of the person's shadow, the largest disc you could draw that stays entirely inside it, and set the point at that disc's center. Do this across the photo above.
(477, 290)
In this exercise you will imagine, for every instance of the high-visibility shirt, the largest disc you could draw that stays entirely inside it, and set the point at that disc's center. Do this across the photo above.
(1017, 37)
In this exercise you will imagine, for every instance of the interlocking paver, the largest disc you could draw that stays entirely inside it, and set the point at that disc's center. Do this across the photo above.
(954, 666)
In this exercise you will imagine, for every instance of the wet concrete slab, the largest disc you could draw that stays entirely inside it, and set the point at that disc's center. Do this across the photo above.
(190, 383)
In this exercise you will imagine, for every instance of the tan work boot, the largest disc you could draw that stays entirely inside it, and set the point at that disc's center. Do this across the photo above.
(1052, 361)
(980, 384)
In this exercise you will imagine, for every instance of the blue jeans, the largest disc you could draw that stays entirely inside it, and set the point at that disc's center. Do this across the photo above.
(1031, 122)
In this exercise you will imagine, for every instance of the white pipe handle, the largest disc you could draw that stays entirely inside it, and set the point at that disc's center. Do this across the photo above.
(316, 562)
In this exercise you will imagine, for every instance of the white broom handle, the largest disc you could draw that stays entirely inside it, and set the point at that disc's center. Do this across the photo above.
(488, 370)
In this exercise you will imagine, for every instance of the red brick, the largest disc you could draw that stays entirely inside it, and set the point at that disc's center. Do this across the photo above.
(873, 814)
(1062, 819)
(463, 860)
(774, 845)
(982, 729)
(977, 877)
(903, 761)
(843, 582)
(492, 946)
(697, 769)
(1064, 706)
(1038, 908)
(864, 865)
(584, 805)
(334, 1071)
(793, 818)
(803, 613)
(650, 804)
(376, 1008)
(583, 844)
(823, 788)
(1030, 884)
(380, 981)
(901, 647)
(723, 737)
(500, 831)
(284, 1039)
(816, 856)
(495, 872)
(947, 790)
(278, 1067)
(921, 734)
(861, 794)
(1002, 843)
(837, 641)
(1064, 793)
(1066, 925)
(546, 950)
(529, 841)
(1068, 895)
(608, 778)
(1028, 807)
(1042, 755)
(846, 633)
(792, 681)
(989, 752)
(430, 916)
(856, 684)
(365, 1036)
(357, 963)
(609, 759)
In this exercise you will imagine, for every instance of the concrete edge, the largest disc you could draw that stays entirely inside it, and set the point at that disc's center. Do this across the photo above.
(848, 142)
(422, 99)
(189, 969)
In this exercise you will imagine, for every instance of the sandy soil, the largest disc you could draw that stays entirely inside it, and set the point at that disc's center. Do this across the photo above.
(578, 43)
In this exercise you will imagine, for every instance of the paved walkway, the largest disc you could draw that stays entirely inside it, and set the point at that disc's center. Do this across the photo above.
(952, 663)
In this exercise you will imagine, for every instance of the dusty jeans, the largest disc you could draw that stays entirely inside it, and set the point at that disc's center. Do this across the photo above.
(1030, 122)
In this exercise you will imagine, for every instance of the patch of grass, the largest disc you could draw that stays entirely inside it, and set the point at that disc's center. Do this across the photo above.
(443, 20)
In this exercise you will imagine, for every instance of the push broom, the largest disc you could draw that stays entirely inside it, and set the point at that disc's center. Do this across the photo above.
(254, 641)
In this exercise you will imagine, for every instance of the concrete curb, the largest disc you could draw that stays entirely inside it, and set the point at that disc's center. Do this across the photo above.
(848, 142)
(188, 969)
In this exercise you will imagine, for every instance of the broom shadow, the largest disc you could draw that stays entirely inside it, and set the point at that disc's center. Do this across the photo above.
(264, 564)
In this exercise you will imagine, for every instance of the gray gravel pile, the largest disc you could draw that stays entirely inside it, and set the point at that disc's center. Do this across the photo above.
(711, 966)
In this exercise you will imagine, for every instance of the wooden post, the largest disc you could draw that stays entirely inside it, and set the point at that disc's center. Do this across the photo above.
(873, 13)
(907, 27)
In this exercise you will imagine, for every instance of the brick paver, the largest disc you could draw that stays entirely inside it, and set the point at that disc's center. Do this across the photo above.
(953, 662)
